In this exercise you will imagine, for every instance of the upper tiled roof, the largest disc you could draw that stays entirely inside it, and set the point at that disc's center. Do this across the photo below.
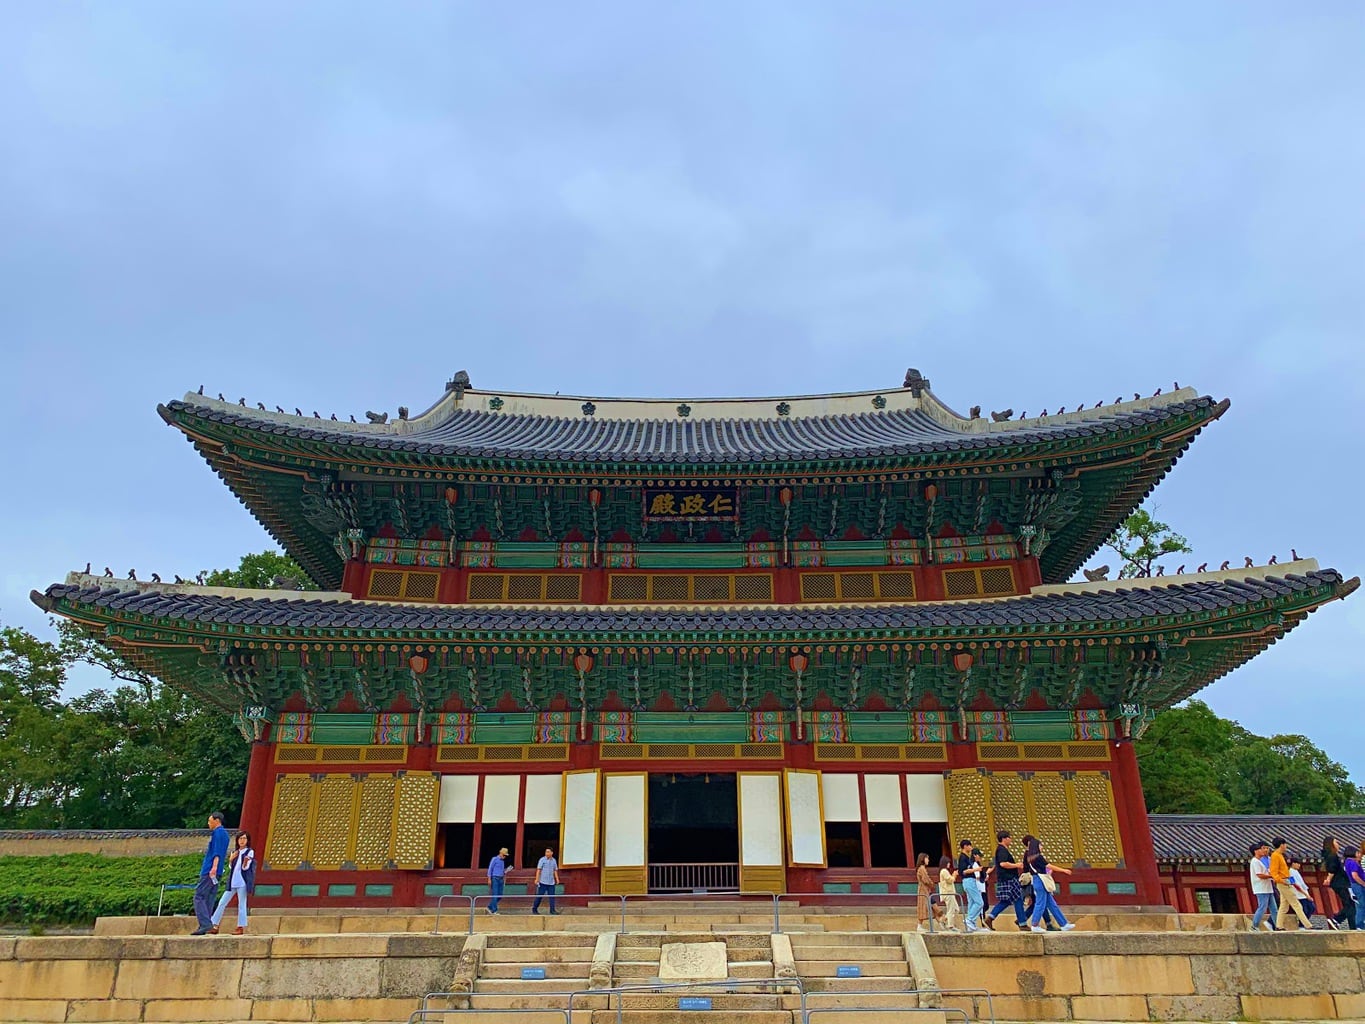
(920, 425)
(254, 608)
(1217, 838)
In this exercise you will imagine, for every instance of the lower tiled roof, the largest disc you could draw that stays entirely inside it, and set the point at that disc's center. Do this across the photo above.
(1118, 604)
(1219, 838)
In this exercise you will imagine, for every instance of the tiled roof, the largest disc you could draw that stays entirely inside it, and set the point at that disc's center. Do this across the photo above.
(1217, 838)
(302, 612)
(479, 434)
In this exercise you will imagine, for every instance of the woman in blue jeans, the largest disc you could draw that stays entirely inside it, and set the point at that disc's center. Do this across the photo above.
(1355, 871)
(1043, 899)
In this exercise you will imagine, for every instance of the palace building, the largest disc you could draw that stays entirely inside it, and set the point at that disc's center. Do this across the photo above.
(773, 645)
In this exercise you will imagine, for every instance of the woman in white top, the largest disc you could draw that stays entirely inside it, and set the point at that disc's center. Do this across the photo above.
(241, 878)
(947, 892)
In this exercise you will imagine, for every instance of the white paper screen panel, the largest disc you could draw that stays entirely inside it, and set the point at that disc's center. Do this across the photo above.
(841, 798)
(760, 823)
(883, 797)
(459, 799)
(542, 798)
(579, 829)
(804, 821)
(501, 797)
(928, 801)
(623, 834)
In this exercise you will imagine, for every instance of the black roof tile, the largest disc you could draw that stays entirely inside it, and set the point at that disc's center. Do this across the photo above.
(1219, 838)
(314, 613)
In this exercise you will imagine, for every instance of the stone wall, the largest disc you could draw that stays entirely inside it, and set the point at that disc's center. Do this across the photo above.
(109, 842)
(1173, 976)
(279, 978)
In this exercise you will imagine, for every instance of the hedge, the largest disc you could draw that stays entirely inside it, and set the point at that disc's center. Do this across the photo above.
(76, 888)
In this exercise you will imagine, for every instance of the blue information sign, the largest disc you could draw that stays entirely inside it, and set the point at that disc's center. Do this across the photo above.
(533, 974)
(694, 1002)
(848, 971)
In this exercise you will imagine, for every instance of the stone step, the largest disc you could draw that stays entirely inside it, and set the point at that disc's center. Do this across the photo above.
(871, 969)
(494, 969)
(821, 986)
(629, 972)
(534, 1001)
(558, 940)
(538, 955)
(847, 939)
(653, 940)
(850, 953)
(676, 1016)
(538, 989)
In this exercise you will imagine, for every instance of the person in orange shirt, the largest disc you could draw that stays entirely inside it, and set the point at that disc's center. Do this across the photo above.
(1289, 896)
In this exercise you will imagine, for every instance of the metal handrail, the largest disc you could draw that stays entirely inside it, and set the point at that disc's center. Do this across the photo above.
(425, 1014)
(806, 1015)
(618, 991)
(172, 887)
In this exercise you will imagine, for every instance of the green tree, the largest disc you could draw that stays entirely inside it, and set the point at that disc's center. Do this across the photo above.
(1194, 762)
(32, 672)
(1142, 541)
(258, 571)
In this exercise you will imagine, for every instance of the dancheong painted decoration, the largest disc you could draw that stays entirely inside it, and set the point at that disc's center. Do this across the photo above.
(777, 644)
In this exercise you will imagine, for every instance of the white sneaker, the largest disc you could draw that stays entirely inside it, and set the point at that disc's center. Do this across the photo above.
(1068, 927)
(1036, 928)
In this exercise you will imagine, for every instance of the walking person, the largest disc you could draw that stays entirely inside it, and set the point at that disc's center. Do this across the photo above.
(1310, 905)
(497, 878)
(1008, 892)
(1339, 881)
(1279, 874)
(947, 892)
(241, 875)
(970, 870)
(1355, 871)
(1262, 887)
(215, 857)
(924, 888)
(1044, 887)
(547, 878)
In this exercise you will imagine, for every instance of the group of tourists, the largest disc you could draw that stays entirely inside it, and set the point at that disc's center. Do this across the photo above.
(232, 861)
(1280, 891)
(1024, 882)
(547, 880)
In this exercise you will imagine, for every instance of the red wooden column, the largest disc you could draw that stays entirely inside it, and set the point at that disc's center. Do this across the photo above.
(257, 797)
(1141, 854)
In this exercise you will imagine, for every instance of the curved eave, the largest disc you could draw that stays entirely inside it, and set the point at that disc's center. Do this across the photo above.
(1189, 610)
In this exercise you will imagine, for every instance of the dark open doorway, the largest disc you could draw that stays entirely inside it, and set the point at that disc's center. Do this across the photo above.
(693, 832)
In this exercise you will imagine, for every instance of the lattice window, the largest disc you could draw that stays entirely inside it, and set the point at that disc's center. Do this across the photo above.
(486, 587)
(668, 588)
(523, 587)
(925, 752)
(374, 829)
(628, 588)
(503, 753)
(332, 831)
(668, 750)
(997, 580)
(1044, 751)
(998, 751)
(960, 583)
(711, 588)
(896, 586)
(1052, 812)
(563, 588)
(760, 750)
(857, 586)
(289, 821)
(421, 586)
(713, 750)
(1095, 819)
(414, 834)
(819, 587)
(285, 754)
(547, 752)
(879, 752)
(753, 587)
(1008, 809)
(1088, 751)
(623, 750)
(386, 584)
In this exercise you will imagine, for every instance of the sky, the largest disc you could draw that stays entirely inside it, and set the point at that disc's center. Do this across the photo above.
(337, 205)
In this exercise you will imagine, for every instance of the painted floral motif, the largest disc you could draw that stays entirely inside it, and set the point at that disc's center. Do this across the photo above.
(589, 408)
(684, 410)
(879, 402)
(784, 408)
(495, 403)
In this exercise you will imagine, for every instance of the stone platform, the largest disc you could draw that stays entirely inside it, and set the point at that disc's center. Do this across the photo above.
(342, 966)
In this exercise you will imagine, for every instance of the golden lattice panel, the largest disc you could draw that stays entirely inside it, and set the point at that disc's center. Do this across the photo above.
(374, 825)
(289, 822)
(1099, 835)
(414, 832)
(1008, 809)
(1052, 817)
(332, 837)
(968, 812)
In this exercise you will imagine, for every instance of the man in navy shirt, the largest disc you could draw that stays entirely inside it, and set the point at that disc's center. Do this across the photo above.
(497, 876)
(206, 892)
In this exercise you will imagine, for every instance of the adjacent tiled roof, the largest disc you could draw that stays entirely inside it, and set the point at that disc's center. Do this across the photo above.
(1219, 838)
(470, 434)
(301, 612)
